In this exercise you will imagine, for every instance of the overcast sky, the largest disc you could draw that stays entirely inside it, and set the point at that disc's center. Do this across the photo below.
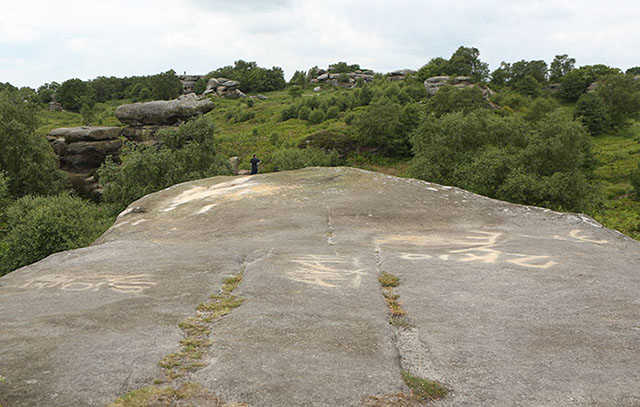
(55, 40)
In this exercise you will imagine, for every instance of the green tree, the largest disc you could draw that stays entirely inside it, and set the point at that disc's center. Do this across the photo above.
(451, 99)
(576, 82)
(47, 92)
(74, 93)
(560, 66)
(299, 78)
(621, 96)
(295, 91)
(435, 67)
(186, 153)
(343, 67)
(386, 125)
(166, 86)
(547, 163)
(633, 71)
(26, 158)
(466, 62)
(39, 226)
(593, 113)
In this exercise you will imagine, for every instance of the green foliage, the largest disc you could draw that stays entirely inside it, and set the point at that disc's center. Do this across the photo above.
(299, 79)
(466, 62)
(328, 141)
(200, 86)
(539, 108)
(316, 116)
(633, 71)
(74, 93)
(187, 153)
(47, 91)
(576, 82)
(239, 115)
(560, 66)
(26, 158)
(451, 99)
(435, 67)
(39, 226)
(635, 182)
(593, 113)
(424, 390)
(165, 86)
(295, 158)
(547, 163)
(252, 78)
(621, 96)
(386, 125)
(343, 67)
(295, 92)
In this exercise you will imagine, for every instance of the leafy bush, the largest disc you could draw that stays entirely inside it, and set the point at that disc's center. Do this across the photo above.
(386, 126)
(294, 158)
(593, 113)
(187, 153)
(316, 116)
(75, 93)
(539, 108)
(165, 86)
(547, 163)
(26, 158)
(328, 141)
(39, 226)
(635, 182)
(451, 99)
(252, 78)
(621, 96)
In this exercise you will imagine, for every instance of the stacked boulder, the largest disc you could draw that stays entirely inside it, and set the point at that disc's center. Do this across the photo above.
(188, 82)
(343, 80)
(433, 84)
(144, 120)
(81, 150)
(401, 74)
(224, 87)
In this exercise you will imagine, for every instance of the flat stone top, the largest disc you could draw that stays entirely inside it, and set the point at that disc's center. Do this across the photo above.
(508, 304)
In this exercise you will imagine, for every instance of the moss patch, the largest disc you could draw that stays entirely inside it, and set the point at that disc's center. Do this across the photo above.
(424, 390)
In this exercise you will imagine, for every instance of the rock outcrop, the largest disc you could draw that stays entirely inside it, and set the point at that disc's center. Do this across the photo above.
(433, 84)
(81, 150)
(503, 304)
(401, 74)
(224, 87)
(343, 80)
(188, 82)
(163, 112)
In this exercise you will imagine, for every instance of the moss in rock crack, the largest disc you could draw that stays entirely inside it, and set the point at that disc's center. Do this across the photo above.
(188, 358)
(388, 280)
(424, 390)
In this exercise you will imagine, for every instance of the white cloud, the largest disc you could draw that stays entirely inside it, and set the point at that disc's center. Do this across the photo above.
(73, 38)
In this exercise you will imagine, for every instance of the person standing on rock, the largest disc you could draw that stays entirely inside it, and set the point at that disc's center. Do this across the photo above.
(254, 164)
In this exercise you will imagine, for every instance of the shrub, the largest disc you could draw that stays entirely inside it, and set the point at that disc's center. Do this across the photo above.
(547, 163)
(386, 126)
(327, 141)
(593, 113)
(316, 116)
(39, 226)
(26, 158)
(635, 182)
(75, 93)
(304, 112)
(332, 112)
(294, 158)
(187, 153)
(451, 99)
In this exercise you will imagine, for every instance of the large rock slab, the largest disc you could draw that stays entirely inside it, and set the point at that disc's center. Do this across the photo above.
(508, 304)
(162, 112)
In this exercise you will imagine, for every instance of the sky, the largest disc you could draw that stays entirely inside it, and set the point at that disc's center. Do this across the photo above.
(42, 41)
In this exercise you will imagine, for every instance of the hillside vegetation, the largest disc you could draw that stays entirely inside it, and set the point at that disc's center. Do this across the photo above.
(528, 133)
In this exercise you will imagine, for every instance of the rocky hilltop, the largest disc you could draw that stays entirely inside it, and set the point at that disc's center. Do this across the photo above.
(264, 290)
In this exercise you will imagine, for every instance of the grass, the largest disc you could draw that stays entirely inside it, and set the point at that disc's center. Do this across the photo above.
(424, 390)
(388, 280)
(168, 396)
(617, 156)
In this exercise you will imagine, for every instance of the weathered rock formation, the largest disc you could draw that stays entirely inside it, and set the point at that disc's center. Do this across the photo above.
(163, 112)
(188, 82)
(146, 119)
(504, 304)
(224, 87)
(433, 84)
(343, 80)
(401, 74)
(81, 150)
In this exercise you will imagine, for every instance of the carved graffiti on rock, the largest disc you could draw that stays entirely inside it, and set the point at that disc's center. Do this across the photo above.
(327, 271)
(579, 236)
(125, 284)
(476, 246)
